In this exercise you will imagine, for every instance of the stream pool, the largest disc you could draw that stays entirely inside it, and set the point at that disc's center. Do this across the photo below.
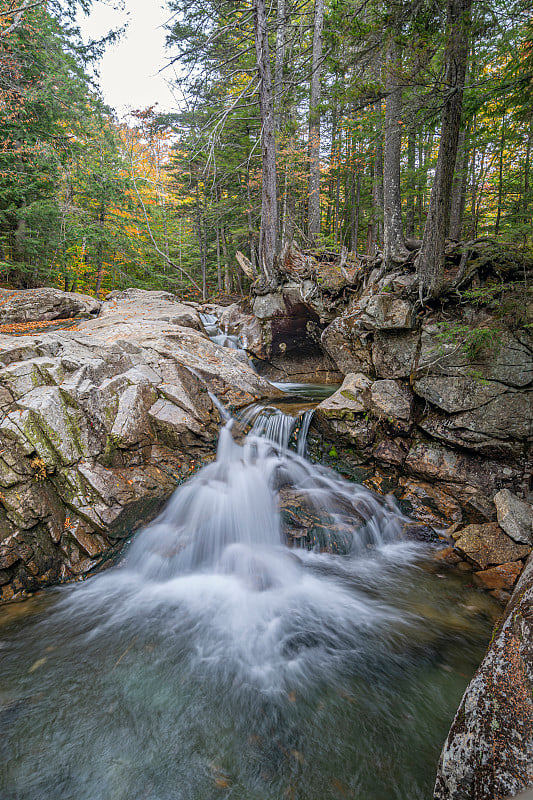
(215, 662)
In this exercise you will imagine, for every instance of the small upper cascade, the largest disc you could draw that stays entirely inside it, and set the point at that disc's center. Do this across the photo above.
(277, 426)
(213, 330)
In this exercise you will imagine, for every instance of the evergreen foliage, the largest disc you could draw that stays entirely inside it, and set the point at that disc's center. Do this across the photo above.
(166, 201)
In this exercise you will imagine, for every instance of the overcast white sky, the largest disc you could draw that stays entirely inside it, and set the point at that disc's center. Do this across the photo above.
(129, 71)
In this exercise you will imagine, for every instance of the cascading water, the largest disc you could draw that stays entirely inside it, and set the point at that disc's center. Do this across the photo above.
(278, 426)
(217, 662)
(211, 327)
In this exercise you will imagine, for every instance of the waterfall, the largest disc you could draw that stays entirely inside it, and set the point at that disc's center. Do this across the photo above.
(216, 661)
(226, 517)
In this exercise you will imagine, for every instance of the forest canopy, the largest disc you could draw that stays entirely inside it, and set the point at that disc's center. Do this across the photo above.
(378, 127)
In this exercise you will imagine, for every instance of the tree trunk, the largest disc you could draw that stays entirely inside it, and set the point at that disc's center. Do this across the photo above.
(199, 232)
(411, 180)
(459, 188)
(337, 202)
(500, 179)
(313, 212)
(354, 210)
(279, 61)
(377, 187)
(527, 169)
(249, 220)
(331, 180)
(420, 185)
(219, 269)
(268, 236)
(228, 284)
(100, 254)
(430, 262)
(393, 241)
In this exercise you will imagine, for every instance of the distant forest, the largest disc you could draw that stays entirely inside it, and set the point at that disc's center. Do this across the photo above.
(337, 123)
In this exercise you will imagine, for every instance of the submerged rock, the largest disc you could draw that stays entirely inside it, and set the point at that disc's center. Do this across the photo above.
(98, 425)
(503, 576)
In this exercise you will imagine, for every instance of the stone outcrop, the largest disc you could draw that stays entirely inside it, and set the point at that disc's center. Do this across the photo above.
(98, 424)
(464, 422)
(514, 516)
(44, 304)
(487, 545)
(450, 388)
(488, 751)
(436, 405)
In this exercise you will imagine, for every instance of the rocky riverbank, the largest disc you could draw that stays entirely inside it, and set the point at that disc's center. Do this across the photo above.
(100, 422)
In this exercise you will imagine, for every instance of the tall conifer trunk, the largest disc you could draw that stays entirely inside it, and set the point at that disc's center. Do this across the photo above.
(430, 263)
(268, 237)
(393, 241)
(313, 212)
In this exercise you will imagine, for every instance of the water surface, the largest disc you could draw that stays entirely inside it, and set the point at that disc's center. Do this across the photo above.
(217, 663)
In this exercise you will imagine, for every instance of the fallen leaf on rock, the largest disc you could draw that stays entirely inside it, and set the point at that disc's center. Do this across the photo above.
(37, 664)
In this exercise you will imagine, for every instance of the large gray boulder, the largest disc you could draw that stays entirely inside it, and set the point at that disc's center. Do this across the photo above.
(347, 345)
(30, 305)
(97, 427)
(488, 751)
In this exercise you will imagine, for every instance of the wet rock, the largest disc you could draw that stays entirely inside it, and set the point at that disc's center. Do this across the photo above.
(515, 516)
(246, 326)
(501, 596)
(487, 753)
(447, 555)
(306, 523)
(348, 400)
(345, 413)
(503, 576)
(485, 545)
(480, 508)
(428, 503)
(419, 532)
(436, 462)
(29, 305)
(391, 451)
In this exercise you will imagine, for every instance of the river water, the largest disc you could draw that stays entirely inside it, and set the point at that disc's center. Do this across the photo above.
(215, 662)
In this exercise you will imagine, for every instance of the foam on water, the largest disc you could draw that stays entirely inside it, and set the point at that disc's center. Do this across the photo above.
(254, 609)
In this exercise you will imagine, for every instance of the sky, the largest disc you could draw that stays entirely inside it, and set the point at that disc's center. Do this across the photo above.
(129, 76)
